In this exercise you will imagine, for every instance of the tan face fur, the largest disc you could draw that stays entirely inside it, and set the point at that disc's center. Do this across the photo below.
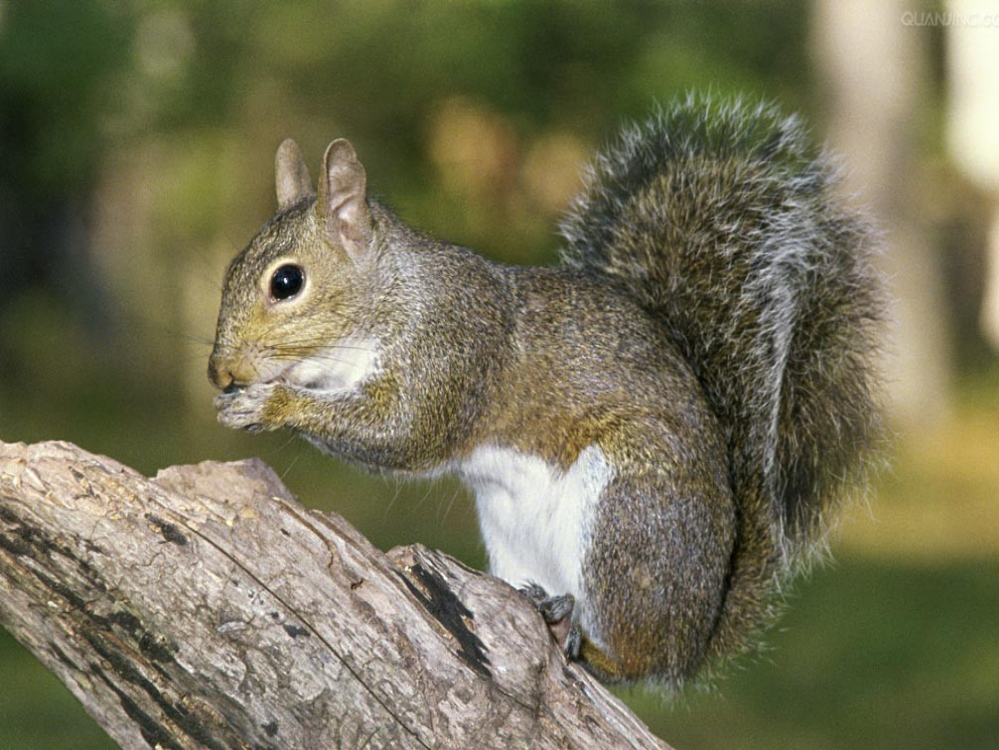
(266, 335)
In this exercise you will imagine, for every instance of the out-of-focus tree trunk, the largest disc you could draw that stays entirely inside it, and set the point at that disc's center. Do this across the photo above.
(872, 64)
(973, 122)
(990, 305)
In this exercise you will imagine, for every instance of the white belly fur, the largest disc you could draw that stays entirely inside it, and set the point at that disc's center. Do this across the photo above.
(536, 519)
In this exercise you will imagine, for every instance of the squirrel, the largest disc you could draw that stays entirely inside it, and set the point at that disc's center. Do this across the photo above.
(656, 431)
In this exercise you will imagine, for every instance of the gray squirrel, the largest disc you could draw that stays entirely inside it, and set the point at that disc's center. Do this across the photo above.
(656, 431)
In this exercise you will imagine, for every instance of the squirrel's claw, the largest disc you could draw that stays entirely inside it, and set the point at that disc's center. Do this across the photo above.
(573, 642)
(534, 592)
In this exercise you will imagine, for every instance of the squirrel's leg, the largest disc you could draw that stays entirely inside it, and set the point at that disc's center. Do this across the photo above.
(648, 610)
(657, 572)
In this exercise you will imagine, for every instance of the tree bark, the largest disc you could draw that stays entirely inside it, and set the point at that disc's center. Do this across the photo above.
(207, 608)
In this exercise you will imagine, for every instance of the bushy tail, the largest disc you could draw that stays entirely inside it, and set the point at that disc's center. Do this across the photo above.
(722, 221)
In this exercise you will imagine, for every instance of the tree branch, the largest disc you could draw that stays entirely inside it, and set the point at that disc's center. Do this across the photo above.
(208, 608)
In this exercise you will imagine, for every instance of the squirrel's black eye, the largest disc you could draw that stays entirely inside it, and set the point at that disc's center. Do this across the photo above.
(287, 281)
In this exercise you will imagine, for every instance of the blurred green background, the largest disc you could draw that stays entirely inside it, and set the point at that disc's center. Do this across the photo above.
(136, 148)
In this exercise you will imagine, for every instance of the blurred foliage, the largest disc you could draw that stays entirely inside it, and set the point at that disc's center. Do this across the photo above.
(137, 140)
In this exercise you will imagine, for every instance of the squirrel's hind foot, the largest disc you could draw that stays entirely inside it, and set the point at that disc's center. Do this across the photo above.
(557, 614)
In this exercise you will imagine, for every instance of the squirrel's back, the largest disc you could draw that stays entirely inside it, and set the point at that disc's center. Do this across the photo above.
(722, 221)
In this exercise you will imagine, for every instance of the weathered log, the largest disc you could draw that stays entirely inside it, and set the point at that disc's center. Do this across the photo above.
(208, 608)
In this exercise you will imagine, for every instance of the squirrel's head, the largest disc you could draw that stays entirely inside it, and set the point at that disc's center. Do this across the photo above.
(296, 288)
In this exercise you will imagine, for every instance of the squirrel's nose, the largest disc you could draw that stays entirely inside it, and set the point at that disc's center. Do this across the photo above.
(220, 378)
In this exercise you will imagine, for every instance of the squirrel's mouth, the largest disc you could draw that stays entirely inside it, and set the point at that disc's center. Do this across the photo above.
(233, 368)
(261, 375)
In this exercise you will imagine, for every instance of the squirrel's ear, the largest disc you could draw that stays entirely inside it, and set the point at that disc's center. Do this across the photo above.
(291, 176)
(343, 198)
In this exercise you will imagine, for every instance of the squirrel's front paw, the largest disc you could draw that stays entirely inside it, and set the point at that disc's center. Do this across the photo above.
(246, 408)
